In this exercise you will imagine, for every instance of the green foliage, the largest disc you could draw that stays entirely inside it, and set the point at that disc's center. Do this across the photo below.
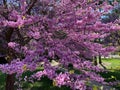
(44, 84)
(2, 81)
(95, 87)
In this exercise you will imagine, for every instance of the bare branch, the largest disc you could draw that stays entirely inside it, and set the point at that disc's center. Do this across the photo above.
(8, 34)
(19, 35)
(31, 6)
(5, 3)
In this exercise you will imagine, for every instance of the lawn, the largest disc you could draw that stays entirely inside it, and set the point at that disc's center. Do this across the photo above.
(113, 65)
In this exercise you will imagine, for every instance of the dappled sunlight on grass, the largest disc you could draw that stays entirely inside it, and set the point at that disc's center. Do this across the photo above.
(113, 66)
(111, 76)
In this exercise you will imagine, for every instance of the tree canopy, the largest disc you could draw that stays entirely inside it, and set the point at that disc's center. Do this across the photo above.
(35, 32)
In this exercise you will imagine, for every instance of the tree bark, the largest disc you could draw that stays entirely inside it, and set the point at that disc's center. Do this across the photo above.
(9, 78)
(95, 60)
(5, 3)
(30, 6)
(100, 60)
(10, 82)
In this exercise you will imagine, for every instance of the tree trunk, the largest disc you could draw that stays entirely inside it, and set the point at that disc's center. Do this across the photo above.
(9, 78)
(10, 82)
(95, 60)
(100, 60)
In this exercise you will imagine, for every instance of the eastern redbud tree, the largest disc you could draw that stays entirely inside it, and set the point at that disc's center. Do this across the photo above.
(34, 33)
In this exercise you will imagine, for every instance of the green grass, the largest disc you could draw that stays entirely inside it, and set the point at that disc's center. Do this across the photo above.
(111, 63)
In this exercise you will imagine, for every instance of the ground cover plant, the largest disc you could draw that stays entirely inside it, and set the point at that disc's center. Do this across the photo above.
(34, 33)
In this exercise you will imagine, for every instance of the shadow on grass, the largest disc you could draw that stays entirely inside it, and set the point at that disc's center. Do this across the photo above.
(111, 76)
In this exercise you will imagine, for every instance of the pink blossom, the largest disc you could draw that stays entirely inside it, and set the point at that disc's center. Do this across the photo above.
(12, 44)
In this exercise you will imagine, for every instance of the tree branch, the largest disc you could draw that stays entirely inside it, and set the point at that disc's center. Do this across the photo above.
(8, 34)
(19, 35)
(5, 3)
(31, 6)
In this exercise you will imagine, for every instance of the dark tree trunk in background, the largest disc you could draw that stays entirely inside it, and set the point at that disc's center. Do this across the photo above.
(100, 60)
(95, 60)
